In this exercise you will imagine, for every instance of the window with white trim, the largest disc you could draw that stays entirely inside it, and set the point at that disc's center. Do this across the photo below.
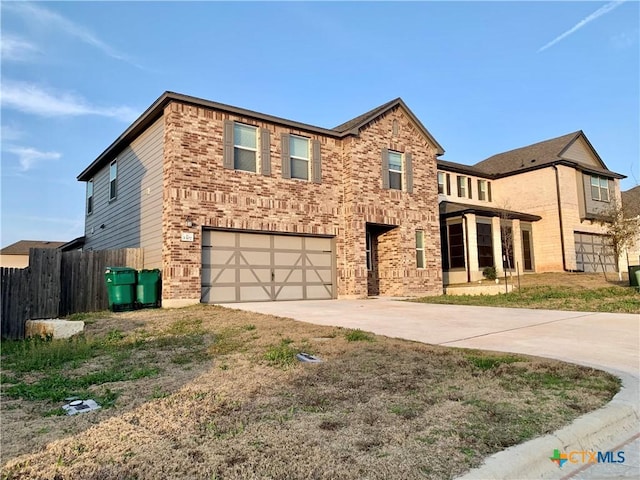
(420, 256)
(441, 183)
(113, 180)
(462, 186)
(245, 147)
(299, 154)
(395, 170)
(484, 190)
(599, 188)
(90, 197)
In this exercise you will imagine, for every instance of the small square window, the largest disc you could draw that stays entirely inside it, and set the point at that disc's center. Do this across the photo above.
(299, 152)
(245, 146)
(395, 170)
(420, 256)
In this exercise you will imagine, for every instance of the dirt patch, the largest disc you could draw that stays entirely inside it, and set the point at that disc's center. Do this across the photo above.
(375, 408)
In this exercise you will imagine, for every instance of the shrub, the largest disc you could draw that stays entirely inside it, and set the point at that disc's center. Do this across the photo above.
(490, 273)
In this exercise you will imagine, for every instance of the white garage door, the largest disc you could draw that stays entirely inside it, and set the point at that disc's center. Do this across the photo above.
(253, 267)
(593, 254)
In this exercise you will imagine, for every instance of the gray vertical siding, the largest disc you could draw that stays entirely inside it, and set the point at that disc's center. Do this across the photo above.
(595, 207)
(581, 153)
(134, 218)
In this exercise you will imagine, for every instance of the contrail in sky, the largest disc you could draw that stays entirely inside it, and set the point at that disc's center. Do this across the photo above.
(598, 13)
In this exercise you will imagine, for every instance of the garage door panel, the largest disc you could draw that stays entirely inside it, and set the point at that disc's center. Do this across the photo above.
(321, 244)
(255, 258)
(255, 275)
(289, 292)
(287, 275)
(241, 267)
(286, 258)
(255, 294)
(220, 294)
(220, 239)
(255, 240)
(318, 292)
(285, 242)
(319, 259)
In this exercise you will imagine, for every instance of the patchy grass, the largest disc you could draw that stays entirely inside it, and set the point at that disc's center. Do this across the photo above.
(207, 392)
(358, 335)
(600, 299)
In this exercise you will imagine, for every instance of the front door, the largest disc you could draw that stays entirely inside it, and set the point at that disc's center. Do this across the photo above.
(373, 279)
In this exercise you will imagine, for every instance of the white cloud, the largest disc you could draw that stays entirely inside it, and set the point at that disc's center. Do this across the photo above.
(37, 14)
(30, 98)
(9, 133)
(597, 14)
(29, 156)
(13, 48)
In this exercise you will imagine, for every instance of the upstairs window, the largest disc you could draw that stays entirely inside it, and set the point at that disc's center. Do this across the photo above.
(484, 190)
(90, 197)
(599, 188)
(113, 180)
(395, 170)
(245, 147)
(462, 186)
(420, 256)
(299, 154)
(441, 183)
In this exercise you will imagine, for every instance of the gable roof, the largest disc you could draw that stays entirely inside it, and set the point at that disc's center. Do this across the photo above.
(631, 202)
(155, 111)
(539, 155)
(22, 247)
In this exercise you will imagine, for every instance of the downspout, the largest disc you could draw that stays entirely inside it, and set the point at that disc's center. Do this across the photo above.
(466, 248)
(564, 258)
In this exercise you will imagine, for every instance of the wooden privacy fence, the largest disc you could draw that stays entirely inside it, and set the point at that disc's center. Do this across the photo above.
(59, 283)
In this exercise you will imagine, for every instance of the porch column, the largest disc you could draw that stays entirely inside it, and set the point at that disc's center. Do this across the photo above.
(496, 239)
(517, 245)
(471, 243)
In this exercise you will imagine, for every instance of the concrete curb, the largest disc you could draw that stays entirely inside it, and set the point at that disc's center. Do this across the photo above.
(602, 430)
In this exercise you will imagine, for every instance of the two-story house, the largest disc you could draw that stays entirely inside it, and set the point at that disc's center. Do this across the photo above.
(234, 205)
(532, 209)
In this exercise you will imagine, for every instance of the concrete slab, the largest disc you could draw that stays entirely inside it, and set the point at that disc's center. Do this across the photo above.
(53, 327)
(606, 341)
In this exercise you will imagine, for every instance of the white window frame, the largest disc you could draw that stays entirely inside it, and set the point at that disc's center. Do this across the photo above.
(443, 184)
(420, 252)
(601, 183)
(90, 197)
(395, 170)
(293, 157)
(243, 147)
(461, 184)
(113, 180)
(482, 190)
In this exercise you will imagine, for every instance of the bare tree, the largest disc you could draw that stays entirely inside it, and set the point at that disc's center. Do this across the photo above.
(620, 231)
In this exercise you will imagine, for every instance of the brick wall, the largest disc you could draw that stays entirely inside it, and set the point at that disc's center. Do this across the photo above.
(199, 189)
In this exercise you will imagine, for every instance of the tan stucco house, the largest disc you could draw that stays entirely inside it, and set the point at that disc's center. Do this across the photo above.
(16, 255)
(631, 210)
(234, 205)
(532, 209)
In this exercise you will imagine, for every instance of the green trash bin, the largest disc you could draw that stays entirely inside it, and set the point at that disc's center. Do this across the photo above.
(121, 286)
(148, 288)
(633, 275)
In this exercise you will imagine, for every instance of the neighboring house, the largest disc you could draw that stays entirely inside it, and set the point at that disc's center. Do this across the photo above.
(234, 205)
(16, 255)
(532, 209)
(631, 210)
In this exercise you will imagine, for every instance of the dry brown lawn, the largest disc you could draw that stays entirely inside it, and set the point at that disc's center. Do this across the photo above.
(227, 404)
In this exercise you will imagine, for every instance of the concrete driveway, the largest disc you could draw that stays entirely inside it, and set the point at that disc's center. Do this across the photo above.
(602, 340)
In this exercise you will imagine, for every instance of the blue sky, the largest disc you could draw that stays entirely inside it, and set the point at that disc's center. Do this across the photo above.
(483, 77)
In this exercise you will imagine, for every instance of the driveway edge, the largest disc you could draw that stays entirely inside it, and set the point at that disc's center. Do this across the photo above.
(603, 430)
